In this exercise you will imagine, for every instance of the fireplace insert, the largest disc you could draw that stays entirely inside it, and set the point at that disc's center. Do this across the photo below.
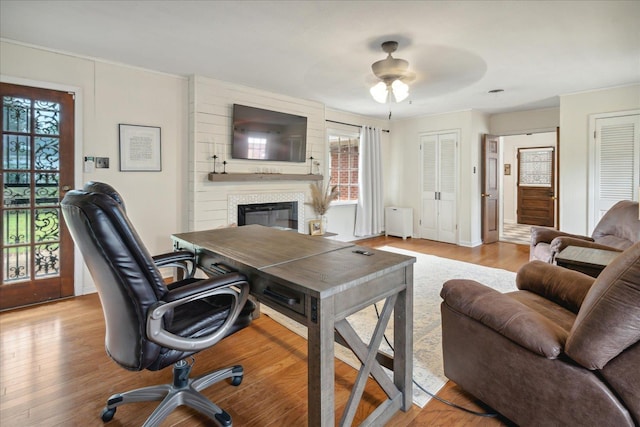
(278, 214)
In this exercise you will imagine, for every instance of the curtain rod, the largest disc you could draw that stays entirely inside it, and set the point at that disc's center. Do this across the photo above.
(349, 124)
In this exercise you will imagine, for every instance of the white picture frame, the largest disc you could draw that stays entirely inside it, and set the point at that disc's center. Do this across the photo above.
(140, 148)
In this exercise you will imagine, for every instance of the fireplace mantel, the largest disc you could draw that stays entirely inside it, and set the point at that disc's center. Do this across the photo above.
(227, 177)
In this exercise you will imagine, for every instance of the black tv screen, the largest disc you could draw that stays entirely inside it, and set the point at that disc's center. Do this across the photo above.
(268, 135)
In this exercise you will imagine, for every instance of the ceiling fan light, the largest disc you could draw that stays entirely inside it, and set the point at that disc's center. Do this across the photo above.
(400, 90)
(379, 92)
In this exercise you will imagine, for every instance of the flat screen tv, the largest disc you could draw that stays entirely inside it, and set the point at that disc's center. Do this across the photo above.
(268, 135)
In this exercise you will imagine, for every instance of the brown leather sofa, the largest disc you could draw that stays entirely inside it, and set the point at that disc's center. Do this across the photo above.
(618, 229)
(563, 350)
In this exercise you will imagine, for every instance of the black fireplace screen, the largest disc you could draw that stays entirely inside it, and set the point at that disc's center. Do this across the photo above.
(279, 214)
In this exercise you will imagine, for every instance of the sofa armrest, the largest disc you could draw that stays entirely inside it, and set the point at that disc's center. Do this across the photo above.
(561, 242)
(546, 235)
(562, 286)
(506, 316)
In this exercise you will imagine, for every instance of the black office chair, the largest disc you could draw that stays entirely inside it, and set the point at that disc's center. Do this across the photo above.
(150, 325)
(184, 261)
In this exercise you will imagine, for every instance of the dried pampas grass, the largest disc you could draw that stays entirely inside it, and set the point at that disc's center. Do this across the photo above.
(321, 198)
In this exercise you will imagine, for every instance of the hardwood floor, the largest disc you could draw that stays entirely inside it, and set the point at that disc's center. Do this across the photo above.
(54, 370)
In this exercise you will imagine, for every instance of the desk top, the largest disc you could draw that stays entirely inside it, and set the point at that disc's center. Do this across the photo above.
(336, 271)
(260, 247)
(322, 266)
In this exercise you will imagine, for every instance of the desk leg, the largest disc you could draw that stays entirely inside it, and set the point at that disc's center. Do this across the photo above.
(403, 337)
(321, 371)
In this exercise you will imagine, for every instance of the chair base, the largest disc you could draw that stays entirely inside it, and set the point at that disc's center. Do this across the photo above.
(183, 391)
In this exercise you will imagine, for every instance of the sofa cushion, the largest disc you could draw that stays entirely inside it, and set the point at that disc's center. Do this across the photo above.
(609, 319)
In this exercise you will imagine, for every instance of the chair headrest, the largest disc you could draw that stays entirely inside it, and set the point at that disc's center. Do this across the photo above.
(102, 187)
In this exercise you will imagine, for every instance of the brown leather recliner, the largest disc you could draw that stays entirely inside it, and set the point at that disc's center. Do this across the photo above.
(562, 350)
(618, 229)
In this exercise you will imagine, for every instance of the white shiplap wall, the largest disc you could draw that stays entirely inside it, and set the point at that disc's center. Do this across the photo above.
(210, 128)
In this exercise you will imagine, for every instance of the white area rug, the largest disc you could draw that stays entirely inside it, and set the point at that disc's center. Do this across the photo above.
(429, 273)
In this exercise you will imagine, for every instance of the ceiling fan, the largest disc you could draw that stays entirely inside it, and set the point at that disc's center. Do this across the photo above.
(394, 74)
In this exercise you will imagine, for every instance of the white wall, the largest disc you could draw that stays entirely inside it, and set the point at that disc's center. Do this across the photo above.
(521, 122)
(406, 167)
(111, 94)
(210, 112)
(194, 115)
(210, 116)
(575, 110)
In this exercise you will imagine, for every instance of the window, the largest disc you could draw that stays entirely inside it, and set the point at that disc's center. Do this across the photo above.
(257, 148)
(344, 153)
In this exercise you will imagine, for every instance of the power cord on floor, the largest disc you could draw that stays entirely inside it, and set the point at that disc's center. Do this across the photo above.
(445, 401)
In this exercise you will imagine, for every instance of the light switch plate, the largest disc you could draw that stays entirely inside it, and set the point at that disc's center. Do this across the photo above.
(102, 162)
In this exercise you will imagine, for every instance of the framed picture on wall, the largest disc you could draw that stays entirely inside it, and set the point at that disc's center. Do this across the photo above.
(140, 148)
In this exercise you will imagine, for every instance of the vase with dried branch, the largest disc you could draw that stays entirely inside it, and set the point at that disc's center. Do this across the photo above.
(321, 198)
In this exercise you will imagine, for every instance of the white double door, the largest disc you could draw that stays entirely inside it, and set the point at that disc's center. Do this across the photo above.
(439, 219)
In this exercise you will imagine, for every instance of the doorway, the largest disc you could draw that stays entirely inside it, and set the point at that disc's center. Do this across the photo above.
(512, 228)
(37, 168)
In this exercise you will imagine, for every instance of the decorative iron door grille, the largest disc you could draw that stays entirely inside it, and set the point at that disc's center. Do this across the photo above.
(37, 155)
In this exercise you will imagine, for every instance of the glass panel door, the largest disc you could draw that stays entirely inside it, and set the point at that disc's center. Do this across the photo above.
(37, 156)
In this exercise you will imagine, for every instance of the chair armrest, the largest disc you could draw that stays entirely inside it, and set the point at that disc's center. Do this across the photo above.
(233, 284)
(506, 316)
(564, 287)
(546, 235)
(562, 242)
(183, 260)
(194, 288)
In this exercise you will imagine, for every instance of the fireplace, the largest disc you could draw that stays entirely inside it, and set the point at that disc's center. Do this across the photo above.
(278, 214)
(268, 209)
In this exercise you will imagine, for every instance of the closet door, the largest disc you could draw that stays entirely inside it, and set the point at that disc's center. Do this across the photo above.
(429, 215)
(617, 162)
(447, 213)
(439, 172)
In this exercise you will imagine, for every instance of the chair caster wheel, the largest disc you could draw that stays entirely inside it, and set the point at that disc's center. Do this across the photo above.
(236, 380)
(107, 414)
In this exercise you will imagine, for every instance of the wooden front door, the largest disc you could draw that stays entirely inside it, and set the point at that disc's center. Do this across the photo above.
(536, 184)
(490, 189)
(37, 168)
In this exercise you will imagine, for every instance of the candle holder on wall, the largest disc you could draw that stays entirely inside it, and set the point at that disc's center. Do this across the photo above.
(311, 166)
(214, 163)
(224, 167)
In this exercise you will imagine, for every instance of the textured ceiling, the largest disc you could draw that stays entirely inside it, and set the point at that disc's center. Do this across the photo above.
(323, 50)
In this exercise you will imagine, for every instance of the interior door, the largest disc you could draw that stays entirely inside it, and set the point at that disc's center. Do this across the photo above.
(490, 188)
(429, 216)
(536, 184)
(439, 216)
(617, 163)
(37, 168)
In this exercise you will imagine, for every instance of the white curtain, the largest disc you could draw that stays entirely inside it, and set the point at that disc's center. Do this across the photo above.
(370, 210)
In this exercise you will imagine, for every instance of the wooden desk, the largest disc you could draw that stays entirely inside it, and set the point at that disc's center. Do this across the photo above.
(319, 282)
(585, 260)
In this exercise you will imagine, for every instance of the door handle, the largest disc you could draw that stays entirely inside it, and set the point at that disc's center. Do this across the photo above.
(485, 195)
